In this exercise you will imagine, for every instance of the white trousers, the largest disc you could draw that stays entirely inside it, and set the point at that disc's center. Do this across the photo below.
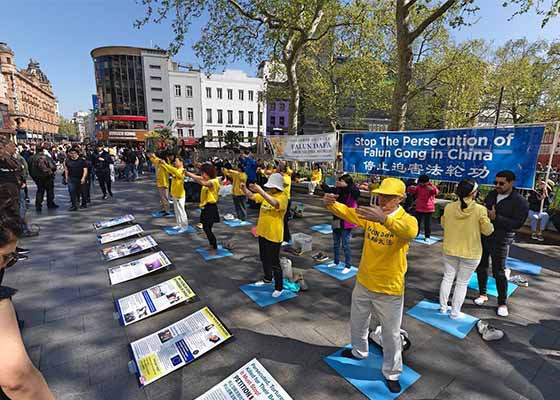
(311, 187)
(389, 310)
(180, 213)
(459, 267)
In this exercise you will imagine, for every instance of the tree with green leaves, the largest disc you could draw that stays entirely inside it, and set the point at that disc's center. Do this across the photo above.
(66, 127)
(548, 9)
(249, 30)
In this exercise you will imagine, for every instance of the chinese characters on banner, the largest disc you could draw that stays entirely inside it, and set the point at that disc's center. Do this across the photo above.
(447, 155)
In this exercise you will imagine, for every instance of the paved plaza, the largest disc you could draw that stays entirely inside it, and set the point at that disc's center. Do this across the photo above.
(67, 304)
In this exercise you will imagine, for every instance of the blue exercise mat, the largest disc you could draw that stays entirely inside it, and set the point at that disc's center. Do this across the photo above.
(262, 295)
(336, 271)
(173, 231)
(523, 266)
(491, 289)
(325, 229)
(159, 214)
(428, 312)
(432, 240)
(365, 375)
(234, 223)
(204, 252)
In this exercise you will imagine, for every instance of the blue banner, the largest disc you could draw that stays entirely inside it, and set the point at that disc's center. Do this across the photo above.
(446, 155)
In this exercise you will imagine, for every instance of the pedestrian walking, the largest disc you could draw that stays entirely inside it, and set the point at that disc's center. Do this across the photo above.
(102, 162)
(76, 171)
(463, 222)
(425, 193)
(42, 169)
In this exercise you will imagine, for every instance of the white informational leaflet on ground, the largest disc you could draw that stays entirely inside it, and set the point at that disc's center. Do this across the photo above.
(150, 301)
(134, 269)
(128, 248)
(252, 381)
(120, 234)
(177, 345)
(305, 147)
(109, 223)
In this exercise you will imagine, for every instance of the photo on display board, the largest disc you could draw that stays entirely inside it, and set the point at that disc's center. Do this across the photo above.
(109, 223)
(120, 234)
(134, 269)
(128, 248)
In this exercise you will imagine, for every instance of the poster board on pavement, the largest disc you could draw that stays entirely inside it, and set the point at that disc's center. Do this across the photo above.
(252, 381)
(153, 300)
(177, 345)
(109, 223)
(128, 248)
(120, 234)
(134, 269)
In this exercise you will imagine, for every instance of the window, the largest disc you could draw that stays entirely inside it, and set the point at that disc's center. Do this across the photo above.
(250, 118)
(179, 113)
(251, 95)
(240, 94)
(177, 90)
(190, 114)
(191, 132)
(155, 66)
(189, 91)
(219, 93)
(208, 115)
(157, 89)
(250, 134)
(220, 134)
(273, 106)
(220, 116)
(272, 120)
(260, 96)
(208, 93)
(282, 106)
(8, 60)
(180, 132)
(281, 121)
(157, 100)
(230, 94)
(209, 134)
(155, 78)
(241, 122)
(157, 111)
(229, 116)
(159, 121)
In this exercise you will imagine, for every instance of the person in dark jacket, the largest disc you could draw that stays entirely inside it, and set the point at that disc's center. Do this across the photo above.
(102, 161)
(42, 169)
(75, 170)
(508, 210)
(542, 195)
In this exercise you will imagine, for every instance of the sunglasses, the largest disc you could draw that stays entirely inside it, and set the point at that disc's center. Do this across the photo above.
(10, 259)
(499, 183)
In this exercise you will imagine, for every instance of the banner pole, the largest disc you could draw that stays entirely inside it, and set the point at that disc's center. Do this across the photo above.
(550, 159)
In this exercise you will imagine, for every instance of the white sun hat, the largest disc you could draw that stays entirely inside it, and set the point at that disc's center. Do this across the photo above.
(275, 181)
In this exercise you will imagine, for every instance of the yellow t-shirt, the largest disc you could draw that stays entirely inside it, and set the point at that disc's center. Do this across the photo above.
(316, 176)
(383, 264)
(162, 176)
(177, 180)
(210, 195)
(271, 220)
(237, 178)
(287, 178)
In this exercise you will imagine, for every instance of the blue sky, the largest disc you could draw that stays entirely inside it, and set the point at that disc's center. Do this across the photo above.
(62, 35)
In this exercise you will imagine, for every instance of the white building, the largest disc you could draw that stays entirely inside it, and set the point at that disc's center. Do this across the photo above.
(232, 103)
(186, 101)
(80, 119)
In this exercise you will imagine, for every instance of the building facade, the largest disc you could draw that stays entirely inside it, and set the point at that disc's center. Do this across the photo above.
(81, 121)
(28, 105)
(186, 101)
(232, 108)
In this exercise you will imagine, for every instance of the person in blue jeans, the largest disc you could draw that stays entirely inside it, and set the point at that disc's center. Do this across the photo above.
(348, 194)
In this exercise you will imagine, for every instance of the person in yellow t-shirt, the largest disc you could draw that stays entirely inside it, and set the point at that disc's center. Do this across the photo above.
(283, 169)
(270, 228)
(380, 282)
(162, 183)
(177, 190)
(208, 202)
(238, 176)
(316, 178)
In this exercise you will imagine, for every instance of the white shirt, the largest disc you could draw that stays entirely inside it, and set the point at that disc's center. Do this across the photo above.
(501, 197)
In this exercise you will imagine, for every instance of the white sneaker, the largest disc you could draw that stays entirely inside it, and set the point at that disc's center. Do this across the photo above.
(427, 240)
(176, 228)
(331, 265)
(534, 236)
(460, 315)
(444, 310)
(480, 300)
(182, 230)
(502, 311)
(507, 273)
(277, 293)
(260, 283)
(346, 270)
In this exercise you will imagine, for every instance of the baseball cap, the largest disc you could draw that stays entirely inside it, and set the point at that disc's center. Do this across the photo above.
(391, 187)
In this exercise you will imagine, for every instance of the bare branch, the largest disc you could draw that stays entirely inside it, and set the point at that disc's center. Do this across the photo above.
(431, 18)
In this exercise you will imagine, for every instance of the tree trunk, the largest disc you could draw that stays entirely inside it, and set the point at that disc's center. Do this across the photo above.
(404, 74)
(293, 108)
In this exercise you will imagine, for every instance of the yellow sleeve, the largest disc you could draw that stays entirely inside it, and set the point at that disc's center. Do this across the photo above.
(230, 172)
(486, 227)
(243, 177)
(283, 200)
(154, 159)
(347, 214)
(320, 175)
(172, 170)
(405, 228)
(258, 198)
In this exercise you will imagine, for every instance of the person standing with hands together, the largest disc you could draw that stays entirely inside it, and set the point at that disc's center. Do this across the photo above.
(380, 282)
(507, 210)
(425, 193)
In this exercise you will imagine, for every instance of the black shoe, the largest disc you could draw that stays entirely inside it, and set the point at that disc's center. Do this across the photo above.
(53, 206)
(22, 251)
(111, 195)
(38, 209)
(394, 386)
(30, 233)
(73, 208)
(348, 354)
(83, 206)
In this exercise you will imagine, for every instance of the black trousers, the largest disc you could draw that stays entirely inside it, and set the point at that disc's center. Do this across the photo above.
(497, 250)
(207, 228)
(44, 185)
(270, 257)
(427, 218)
(77, 191)
(287, 235)
(208, 217)
(104, 178)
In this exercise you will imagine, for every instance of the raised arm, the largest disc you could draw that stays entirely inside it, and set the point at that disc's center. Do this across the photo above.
(271, 200)
(341, 210)
(199, 179)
